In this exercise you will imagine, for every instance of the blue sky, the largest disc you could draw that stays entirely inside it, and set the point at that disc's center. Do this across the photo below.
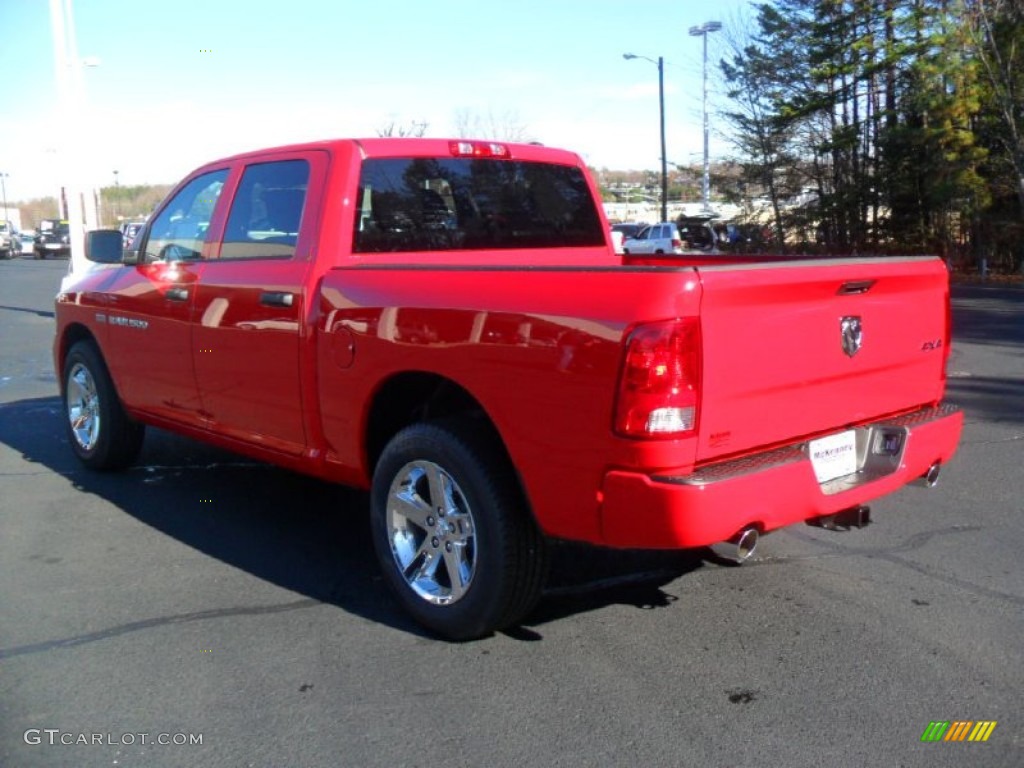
(183, 82)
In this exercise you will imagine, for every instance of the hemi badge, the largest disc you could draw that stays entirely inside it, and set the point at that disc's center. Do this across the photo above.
(100, 317)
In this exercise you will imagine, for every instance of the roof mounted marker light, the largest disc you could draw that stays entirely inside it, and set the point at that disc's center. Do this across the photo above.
(478, 149)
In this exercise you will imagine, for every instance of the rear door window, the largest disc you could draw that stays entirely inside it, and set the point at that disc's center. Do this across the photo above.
(266, 211)
(451, 204)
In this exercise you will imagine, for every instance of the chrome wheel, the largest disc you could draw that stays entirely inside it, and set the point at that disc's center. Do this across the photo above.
(83, 404)
(431, 532)
(452, 531)
(100, 432)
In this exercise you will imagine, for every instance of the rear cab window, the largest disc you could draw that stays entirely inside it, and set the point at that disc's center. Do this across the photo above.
(458, 204)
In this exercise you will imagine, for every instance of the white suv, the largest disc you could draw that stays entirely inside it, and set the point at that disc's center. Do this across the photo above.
(657, 238)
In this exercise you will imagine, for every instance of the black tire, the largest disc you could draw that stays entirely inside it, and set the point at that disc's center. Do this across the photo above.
(503, 551)
(101, 434)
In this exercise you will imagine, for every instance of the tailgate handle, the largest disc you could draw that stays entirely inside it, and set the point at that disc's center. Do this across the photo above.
(276, 299)
(855, 286)
(177, 294)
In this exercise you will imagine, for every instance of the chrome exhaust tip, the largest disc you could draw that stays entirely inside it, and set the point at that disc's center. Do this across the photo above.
(930, 478)
(844, 520)
(740, 547)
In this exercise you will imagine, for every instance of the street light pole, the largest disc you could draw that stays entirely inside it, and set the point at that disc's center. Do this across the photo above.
(702, 31)
(661, 112)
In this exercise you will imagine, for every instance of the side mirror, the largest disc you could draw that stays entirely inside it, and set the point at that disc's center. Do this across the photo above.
(104, 246)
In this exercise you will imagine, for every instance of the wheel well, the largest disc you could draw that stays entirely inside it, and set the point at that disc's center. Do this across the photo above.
(73, 334)
(413, 397)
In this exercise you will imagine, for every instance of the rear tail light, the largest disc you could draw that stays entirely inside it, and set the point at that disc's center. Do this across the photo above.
(478, 149)
(677, 244)
(659, 388)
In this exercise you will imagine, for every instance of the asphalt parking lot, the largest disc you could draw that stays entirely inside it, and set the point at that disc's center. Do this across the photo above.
(202, 597)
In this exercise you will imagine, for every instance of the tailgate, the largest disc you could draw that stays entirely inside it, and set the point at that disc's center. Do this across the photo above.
(781, 359)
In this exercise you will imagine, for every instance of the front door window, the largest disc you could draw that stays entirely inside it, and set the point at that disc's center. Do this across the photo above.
(179, 231)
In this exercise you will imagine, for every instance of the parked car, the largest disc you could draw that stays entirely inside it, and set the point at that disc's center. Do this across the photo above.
(54, 238)
(10, 243)
(622, 232)
(129, 230)
(745, 238)
(616, 238)
(698, 235)
(657, 238)
(28, 240)
(628, 229)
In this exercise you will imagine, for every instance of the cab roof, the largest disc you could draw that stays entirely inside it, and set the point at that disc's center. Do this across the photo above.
(415, 147)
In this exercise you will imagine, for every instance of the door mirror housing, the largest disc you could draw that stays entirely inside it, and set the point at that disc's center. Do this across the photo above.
(104, 246)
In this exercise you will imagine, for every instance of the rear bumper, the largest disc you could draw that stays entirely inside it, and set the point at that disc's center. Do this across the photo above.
(768, 490)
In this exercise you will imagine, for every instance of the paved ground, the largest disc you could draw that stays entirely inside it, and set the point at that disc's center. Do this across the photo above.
(200, 595)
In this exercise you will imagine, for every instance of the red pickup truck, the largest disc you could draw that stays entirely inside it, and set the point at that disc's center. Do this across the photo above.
(447, 324)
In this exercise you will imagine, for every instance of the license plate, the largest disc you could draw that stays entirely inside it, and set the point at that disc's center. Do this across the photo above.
(834, 456)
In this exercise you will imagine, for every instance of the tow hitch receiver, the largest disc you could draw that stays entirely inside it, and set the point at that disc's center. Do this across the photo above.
(844, 520)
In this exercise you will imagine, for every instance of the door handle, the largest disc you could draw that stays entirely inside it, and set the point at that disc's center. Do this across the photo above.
(276, 299)
(176, 294)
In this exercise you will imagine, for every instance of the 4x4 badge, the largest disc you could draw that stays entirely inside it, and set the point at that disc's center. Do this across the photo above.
(852, 334)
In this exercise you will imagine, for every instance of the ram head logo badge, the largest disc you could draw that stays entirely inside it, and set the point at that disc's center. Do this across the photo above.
(852, 335)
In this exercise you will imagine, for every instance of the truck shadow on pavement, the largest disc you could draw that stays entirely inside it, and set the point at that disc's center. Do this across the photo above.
(302, 534)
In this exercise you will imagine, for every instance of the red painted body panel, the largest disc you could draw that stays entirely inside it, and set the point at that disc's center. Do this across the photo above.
(153, 367)
(247, 347)
(775, 368)
(247, 353)
(536, 338)
(541, 356)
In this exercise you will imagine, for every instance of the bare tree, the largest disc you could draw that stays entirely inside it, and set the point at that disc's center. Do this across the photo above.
(504, 127)
(412, 129)
(995, 31)
(765, 141)
(995, 28)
